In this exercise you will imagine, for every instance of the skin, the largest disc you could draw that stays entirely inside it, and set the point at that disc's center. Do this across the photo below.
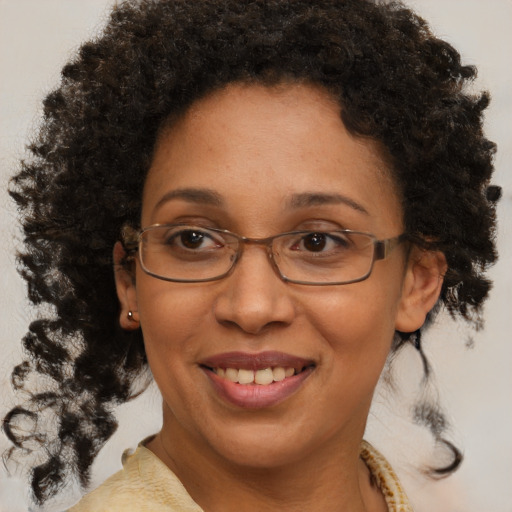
(257, 148)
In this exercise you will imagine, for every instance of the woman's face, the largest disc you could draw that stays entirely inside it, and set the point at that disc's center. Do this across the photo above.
(261, 161)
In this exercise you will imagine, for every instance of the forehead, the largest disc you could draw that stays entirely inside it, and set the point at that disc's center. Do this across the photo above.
(279, 141)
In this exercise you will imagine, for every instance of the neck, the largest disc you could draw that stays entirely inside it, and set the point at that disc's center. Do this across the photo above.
(331, 480)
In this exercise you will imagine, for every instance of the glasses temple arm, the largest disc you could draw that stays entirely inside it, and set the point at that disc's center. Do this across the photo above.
(383, 248)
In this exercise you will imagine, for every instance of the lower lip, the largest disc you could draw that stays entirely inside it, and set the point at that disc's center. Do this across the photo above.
(257, 396)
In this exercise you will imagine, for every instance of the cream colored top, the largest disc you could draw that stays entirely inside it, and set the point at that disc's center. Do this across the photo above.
(146, 484)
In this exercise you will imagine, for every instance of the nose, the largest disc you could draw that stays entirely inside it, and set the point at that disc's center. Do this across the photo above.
(254, 297)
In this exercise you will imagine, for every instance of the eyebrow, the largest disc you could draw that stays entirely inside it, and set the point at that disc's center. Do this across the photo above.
(303, 200)
(192, 195)
(318, 199)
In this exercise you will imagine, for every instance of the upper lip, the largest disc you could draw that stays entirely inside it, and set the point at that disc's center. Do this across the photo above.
(256, 361)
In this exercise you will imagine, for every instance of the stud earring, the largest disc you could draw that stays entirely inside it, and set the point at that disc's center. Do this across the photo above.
(130, 316)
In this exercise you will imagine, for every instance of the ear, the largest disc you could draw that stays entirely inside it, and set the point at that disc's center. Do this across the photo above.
(421, 288)
(126, 291)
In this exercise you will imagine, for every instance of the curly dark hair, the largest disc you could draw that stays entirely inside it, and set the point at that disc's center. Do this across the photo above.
(395, 82)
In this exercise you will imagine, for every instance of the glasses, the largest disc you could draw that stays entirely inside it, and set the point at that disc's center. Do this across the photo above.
(186, 253)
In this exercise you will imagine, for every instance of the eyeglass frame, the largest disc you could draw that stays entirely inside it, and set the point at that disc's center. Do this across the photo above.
(132, 238)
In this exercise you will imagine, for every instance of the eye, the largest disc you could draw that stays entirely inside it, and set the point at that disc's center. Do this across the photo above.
(193, 239)
(321, 242)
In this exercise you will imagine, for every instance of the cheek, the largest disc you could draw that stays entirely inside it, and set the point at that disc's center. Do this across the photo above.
(356, 322)
(170, 316)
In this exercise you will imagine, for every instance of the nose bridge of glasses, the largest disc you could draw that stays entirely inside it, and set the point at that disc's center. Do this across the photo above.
(264, 243)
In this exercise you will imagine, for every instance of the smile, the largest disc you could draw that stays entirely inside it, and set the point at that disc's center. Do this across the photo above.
(262, 377)
(255, 381)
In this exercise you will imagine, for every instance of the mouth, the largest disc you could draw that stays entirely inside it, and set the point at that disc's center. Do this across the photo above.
(259, 380)
(263, 377)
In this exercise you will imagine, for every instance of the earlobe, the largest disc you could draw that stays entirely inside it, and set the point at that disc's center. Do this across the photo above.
(126, 291)
(421, 288)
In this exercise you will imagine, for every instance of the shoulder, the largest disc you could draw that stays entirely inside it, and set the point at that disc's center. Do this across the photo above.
(386, 479)
(145, 484)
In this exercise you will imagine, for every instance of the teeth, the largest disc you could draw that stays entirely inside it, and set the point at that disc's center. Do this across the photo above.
(279, 373)
(262, 377)
(245, 376)
(232, 374)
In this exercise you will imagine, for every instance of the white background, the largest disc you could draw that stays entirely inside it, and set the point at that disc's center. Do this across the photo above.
(36, 39)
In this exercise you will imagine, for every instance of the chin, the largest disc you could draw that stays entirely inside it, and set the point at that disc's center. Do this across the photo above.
(264, 447)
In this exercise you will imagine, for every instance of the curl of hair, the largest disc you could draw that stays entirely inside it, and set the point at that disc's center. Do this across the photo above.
(395, 83)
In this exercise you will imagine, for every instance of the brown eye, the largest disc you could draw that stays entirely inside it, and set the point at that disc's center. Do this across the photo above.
(191, 239)
(322, 243)
(315, 242)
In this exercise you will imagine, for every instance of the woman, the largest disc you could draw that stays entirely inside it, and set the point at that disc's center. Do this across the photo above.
(288, 191)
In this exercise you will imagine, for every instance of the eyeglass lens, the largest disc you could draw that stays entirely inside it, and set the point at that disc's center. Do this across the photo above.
(192, 253)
